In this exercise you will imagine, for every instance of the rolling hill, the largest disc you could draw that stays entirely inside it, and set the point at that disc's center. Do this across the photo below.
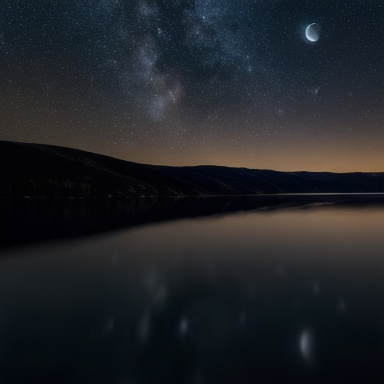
(38, 170)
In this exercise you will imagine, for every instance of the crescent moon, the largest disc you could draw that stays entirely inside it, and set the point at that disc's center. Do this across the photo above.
(311, 33)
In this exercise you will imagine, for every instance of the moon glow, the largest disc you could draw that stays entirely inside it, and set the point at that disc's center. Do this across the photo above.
(312, 32)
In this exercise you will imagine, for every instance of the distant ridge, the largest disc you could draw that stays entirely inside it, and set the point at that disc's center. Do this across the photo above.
(38, 170)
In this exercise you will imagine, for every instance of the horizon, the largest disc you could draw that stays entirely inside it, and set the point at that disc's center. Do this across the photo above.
(195, 165)
(185, 83)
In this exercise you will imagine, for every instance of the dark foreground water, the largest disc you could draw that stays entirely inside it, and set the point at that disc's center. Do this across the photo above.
(280, 293)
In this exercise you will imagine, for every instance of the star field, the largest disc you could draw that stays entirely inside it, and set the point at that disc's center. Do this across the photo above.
(187, 82)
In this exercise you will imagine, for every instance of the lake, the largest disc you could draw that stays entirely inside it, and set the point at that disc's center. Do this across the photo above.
(275, 291)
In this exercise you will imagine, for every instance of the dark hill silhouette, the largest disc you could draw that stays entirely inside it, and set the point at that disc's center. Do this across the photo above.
(39, 170)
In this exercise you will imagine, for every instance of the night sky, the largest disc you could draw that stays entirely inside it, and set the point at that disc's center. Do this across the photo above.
(188, 82)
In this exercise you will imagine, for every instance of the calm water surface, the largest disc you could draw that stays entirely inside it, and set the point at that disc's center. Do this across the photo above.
(269, 296)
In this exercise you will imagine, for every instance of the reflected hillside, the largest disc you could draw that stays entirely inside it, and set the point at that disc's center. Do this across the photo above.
(27, 221)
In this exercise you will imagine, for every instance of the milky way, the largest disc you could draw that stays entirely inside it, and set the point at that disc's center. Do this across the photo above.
(228, 82)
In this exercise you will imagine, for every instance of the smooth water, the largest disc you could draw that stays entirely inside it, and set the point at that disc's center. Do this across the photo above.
(287, 295)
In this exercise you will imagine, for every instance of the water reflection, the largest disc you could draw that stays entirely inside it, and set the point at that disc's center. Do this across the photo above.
(276, 295)
(307, 345)
(26, 221)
